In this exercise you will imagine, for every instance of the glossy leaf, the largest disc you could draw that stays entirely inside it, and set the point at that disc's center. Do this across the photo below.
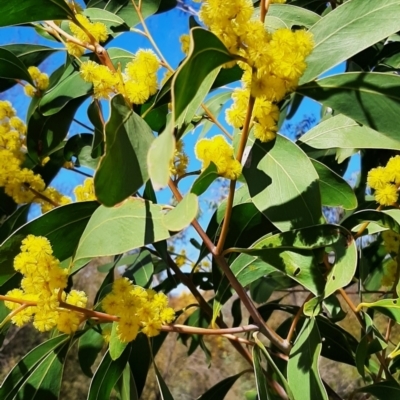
(261, 380)
(335, 191)
(370, 98)
(28, 365)
(116, 347)
(45, 133)
(388, 307)
(13, 222)
(113, 22)
(117, 230)
(141, 270)
(126, 385)
(29, 54)
(15, 12)
(159, 157)
(206, 178)
(183, 214)
(89, 346)
(292, 15)
(165, 393)
(206, 54)
(107, 375)
(382, 390)
(11, 67)
(283, 184)
(221, 389)
(337, 35)
(95, 117)
(343, 132)
(303, 375)
(123, 168)
(63, 226)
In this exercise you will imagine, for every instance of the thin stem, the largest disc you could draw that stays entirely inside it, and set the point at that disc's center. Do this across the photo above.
(150, 37)
(296, 319)
(198, 172)
(215, 121)
(80, 172)
(83, 125)
(279, 342)
(206, 331)
(42, 196)
(264, 9)
(13, 314)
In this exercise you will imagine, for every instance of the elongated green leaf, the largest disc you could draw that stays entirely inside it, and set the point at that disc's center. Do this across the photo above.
(113, 22)
(117, 230)
(11, 67)
(45, 133)
(221, 389)
(370, 98)
(95, 117)
(206, 178)
(206, 54)
(382, 390)
(292, 15)
(62, 226)
(125, 10)
(343, 132)
(126, 385)
(162, 386)
(89, 346)
(186, 116)
(28, 365)
(261, 380)
(388, 307)
(159, 157)
(116, 347)
(15, 12)
(337, 35)
(183, 214)
(107, 375)
(13, 222)
(385, 219)
(303, 375)
(123, 168)
(29, 54)
(283, 184)
(335, 191)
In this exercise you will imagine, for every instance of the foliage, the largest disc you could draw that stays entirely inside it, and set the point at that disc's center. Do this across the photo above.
(271, 235)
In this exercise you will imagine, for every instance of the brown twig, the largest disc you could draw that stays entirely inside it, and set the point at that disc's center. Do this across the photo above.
(296, 319)
(215, 121)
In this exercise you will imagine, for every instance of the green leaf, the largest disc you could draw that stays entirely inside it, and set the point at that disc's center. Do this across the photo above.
(89, 346)
(337, 35)
(126, 387)
(343, 132)
(335, 191)
(125, 10)
(63, 226)
(206, 178)
(95, 117)
(15, 12)
(302, 370)
(388, 307)
(292, 15)
(206, 54)
(113, 22)
(283, 184)
(70, 86)
(141, 269)
(183, 214)
(187, 115)
(13, 222)
(117, 230)
(261, 380)
(369, 98)
(159, 157)
(29, 54)
(107, 375)
(382, 390)
(28, 365)
(221, 389)
(123, 168)
(162, 386)
(11, 67)
(45, 133)
(116, 347)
